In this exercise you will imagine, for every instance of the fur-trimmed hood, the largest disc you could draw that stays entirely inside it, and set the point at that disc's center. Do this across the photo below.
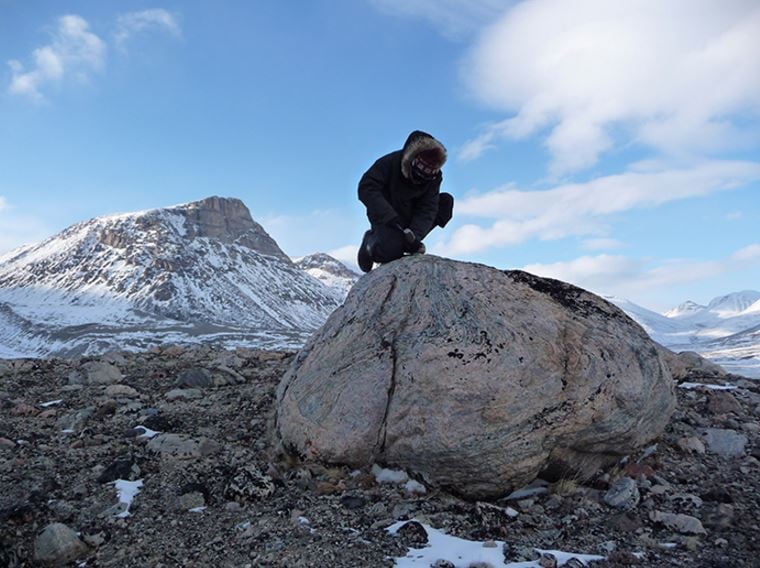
(417, 142)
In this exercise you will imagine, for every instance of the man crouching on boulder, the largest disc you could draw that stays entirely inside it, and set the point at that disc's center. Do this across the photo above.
(402, 194)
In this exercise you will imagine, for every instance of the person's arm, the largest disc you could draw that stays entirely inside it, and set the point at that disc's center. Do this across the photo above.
(426, 210)
(371, 187)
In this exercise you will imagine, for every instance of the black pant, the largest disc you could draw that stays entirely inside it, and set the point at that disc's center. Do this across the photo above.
(389, 243)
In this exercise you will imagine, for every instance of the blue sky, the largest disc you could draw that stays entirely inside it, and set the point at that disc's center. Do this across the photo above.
(612, 146)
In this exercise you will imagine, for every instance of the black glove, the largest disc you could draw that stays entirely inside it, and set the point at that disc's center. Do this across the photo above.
(412, 242)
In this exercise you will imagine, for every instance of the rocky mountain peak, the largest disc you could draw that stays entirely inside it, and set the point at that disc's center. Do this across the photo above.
(328, 270)
(192, 269)
(227, 220)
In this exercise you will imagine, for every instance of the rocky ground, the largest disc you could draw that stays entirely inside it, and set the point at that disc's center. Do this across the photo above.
(191, 426)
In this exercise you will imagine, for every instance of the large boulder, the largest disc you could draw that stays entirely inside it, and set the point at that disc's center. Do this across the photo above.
(474, 378)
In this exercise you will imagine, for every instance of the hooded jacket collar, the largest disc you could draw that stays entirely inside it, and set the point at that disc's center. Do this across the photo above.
(417, 142)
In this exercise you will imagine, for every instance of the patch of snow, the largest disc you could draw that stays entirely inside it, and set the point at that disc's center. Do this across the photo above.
(462, 552)
(414, 487)
(196, 509)
(147, 433)
(382, 475)
(538, 487)
(692, 386)
(126, 491)
(51, 403)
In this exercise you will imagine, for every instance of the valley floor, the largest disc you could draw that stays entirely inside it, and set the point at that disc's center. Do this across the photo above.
(191, 426)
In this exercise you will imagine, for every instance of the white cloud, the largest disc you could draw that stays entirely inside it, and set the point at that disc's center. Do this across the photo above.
(749, 253)
(734, 216)
(678, 75)
(453, 18)
(629, 277)
(580, 209)
(74, 51)
(132, 23)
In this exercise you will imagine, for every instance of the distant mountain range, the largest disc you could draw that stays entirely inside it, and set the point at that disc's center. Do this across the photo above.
(207, 272)
(726, 330)
(203, 271)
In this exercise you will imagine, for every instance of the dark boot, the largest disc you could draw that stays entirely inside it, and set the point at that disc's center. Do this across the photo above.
(364, 256)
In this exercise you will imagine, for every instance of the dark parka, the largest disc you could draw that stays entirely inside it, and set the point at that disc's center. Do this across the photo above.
(388, 192)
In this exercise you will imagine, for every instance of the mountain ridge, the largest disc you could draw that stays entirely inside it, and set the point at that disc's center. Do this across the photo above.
(187, 271)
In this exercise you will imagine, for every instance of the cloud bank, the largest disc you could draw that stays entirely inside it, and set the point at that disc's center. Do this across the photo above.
(679, 76)
(630, 277)
(580, 209)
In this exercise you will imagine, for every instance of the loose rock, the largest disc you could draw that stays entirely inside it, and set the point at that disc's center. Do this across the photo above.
(57, 544)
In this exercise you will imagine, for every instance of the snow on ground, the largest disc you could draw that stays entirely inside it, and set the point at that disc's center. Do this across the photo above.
(706, 386)
(382, 475)
(463, 553)
(147, 433)
(126, 491)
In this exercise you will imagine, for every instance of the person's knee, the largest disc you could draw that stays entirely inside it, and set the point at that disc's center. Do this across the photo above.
(445, 209)
(388, 245)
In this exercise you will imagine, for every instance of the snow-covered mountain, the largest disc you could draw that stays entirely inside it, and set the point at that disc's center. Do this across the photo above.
(328, 270)
(203, 271)
(726, 331)
(686, 309)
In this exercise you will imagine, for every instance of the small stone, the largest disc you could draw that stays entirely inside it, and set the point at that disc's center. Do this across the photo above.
(6, 444)
(94, 540)
(547, 561)
(413, 534)
(58, 544)
(23, 409)
(249, 484)
(180, 447)
(184, 394)
(691, 444)
(721, 402)
(637, 470)
(725, 443)
(525, 504)
(624, 494)
(191, 500)
(442, 563)
(120, 468)
(195, 377)
(232, 507)
(121, 390)
(717, 494)
(101, 373)
(684, 524)
(326, 488)
(553, 502)
(353, 501)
